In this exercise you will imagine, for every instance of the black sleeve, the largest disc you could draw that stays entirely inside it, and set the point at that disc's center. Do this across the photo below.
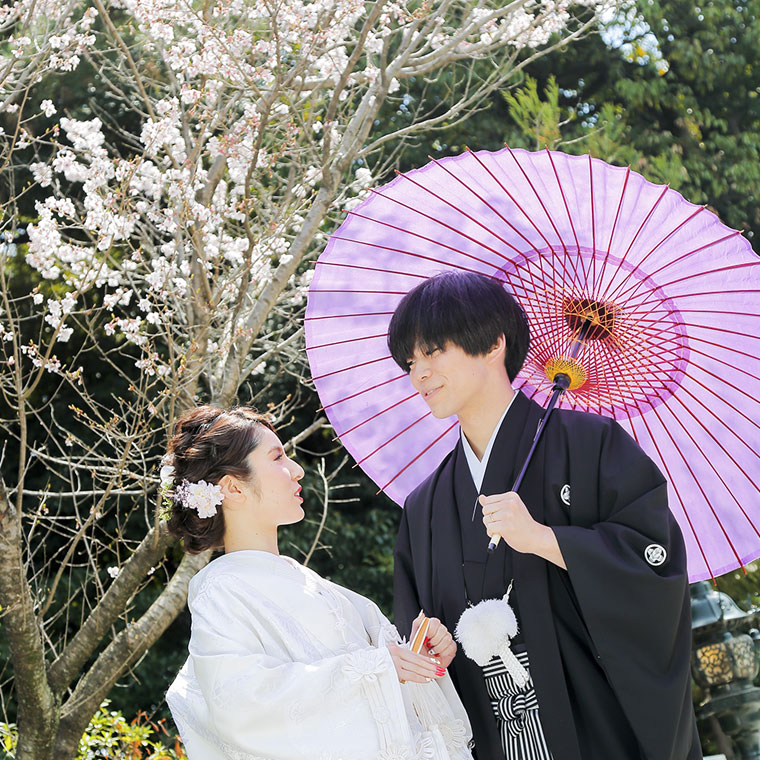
(636, 609)
(406, 603)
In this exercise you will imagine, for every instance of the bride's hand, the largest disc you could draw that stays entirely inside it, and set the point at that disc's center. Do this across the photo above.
(439, 643)
(411, 666)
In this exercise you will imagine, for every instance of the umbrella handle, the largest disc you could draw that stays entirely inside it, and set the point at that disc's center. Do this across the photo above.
(561, 384)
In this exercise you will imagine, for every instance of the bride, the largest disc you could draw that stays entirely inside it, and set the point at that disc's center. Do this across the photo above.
(284, 664)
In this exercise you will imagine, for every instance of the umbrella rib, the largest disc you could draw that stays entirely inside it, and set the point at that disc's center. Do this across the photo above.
(719, 379)
(367, 292)
(376, 415)
(569, 217)
(694, 275)
(485, 202)
(636, 285)
(557, 315)
(593, 223)
(362, 392)
(482, 200)
(538, 197)
(717, 345)
(353, 366)
(457, 209)
(442, 224)
(634, 432)
(696, 480)
(604, 295)
(621, 378)
(711, 312)
(419, 255)
(347, 340)
(557, 333)
(424, 451)
(636, 331)
(698, 326)
(529, 287)
(532, 223)
(511, 197)
(718, 419)
(643, 363)
(349, 316)
(660, 302)
(371, 269)
(662, 355)
(541, 203)
(725, 451)
(675, 489)
(734, 291)
(393, 438)
(718, 396)
(614, 223)
(671, 263)
(529, 283)
(554, 320)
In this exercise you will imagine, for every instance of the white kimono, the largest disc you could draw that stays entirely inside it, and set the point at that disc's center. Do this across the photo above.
(285, 665)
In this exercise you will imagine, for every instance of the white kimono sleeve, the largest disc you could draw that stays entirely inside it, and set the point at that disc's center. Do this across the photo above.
(262, 702)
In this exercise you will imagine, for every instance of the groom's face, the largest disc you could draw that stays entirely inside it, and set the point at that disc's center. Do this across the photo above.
(448, 379)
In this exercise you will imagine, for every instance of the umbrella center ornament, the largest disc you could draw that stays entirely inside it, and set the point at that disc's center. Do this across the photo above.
(569, 367)
(646, 307)
(600, 317)
(589, 320)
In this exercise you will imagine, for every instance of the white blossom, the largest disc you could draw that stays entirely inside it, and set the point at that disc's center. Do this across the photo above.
(47, 108)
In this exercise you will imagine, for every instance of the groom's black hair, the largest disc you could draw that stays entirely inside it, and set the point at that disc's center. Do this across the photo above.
(467, 309)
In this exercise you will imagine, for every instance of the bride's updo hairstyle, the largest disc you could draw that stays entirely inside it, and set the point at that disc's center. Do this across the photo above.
(209, 443)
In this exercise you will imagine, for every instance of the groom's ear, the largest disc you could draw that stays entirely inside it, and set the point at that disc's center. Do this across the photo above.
(498, 351)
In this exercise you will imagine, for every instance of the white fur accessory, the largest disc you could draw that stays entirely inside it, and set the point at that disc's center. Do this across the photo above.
(485, 630)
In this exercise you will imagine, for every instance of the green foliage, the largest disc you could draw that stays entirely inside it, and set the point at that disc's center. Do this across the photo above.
(111, 736)
(669, 87)
(687, 114)
(537, 118)
(8, 739)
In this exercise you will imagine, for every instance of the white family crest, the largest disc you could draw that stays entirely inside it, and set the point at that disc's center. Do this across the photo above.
(655, 554)
(564, 494)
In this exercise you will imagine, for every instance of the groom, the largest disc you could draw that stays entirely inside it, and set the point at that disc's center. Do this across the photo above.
(596, 559)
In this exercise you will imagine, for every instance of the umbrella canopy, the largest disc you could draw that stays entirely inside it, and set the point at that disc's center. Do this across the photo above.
(673, 296)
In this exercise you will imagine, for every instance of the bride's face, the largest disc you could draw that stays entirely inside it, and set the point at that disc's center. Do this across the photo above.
(275, 479)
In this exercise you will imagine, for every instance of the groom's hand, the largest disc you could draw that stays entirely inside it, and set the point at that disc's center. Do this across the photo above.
(505, 515)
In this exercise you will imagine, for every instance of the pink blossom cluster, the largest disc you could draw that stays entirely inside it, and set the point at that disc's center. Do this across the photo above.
(254, 100)
(55, 35)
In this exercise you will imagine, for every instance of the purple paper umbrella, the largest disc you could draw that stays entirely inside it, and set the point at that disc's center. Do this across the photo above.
(672, 296)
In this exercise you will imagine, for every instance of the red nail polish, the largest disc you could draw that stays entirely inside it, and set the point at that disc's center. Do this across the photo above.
(439, 671)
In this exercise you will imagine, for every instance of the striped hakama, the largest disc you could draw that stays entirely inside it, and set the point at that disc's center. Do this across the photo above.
(516, 712)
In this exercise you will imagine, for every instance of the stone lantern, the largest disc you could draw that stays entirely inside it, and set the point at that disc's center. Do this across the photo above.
(724, 663)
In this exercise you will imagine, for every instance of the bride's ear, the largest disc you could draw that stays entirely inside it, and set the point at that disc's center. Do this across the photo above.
(232, 490)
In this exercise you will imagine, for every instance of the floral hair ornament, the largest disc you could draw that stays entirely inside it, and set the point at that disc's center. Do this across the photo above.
(201, 496)
(166, 474)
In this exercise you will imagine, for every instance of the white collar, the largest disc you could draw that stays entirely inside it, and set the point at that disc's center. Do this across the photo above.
(478, 466)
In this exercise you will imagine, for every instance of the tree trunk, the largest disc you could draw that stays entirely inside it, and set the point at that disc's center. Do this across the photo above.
(38, 706)
(130, 644)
